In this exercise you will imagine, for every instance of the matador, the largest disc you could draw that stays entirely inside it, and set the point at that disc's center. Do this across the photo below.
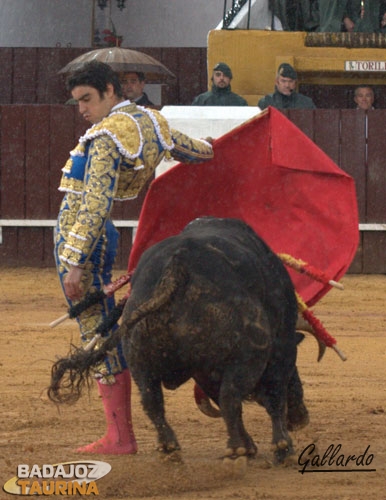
(113, 160)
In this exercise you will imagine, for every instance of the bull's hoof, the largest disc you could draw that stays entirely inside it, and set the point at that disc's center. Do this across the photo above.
(174, 457)
(232, 453)
(241, 451)
(282, 450)
(167, 448)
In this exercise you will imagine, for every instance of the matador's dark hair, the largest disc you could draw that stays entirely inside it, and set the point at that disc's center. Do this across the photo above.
(95, 74)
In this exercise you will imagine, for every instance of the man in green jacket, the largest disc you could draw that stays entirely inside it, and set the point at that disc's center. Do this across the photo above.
(221, 93)
(285, 95)
(361, 16)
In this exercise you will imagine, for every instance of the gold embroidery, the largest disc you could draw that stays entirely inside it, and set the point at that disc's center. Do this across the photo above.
(190, 150)
(124, 151)
(130, 127)
(71, 184)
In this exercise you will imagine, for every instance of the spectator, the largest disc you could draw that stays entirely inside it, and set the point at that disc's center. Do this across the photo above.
(285, 95)
(332, 13)
(296, 15)
(382, 16)
(364, 97)
(355, 16)
(365, 16)
(132, 85)
(221, 93)
(383, 23)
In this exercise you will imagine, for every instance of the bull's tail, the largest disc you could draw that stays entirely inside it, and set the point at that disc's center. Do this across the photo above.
(70, 375)
(174, 276)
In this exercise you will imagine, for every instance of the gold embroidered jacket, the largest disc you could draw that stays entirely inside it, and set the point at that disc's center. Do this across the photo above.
(113, 161)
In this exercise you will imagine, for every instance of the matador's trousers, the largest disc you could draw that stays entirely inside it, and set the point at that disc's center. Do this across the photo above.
(97, 273)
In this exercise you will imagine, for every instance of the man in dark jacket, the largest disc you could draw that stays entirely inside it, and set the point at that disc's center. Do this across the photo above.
(221, 93)
(361, 16)
(132, 84)
(285, 95)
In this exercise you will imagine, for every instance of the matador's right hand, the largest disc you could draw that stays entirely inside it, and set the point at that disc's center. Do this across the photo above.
(73, 283)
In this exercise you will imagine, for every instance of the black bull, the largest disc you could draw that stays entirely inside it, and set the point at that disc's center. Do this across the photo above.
(215, 304)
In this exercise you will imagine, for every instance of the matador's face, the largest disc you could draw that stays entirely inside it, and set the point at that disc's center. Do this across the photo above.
(92, 106)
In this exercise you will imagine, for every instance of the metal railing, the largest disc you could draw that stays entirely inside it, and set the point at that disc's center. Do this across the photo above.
(230, 13)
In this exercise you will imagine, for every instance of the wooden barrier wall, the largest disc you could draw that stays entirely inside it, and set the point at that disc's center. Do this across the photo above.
(30, 75)
(35, 141)
(354, 141)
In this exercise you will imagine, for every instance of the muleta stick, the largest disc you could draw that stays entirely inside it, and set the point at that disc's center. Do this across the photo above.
(110, 320)
(93, 298)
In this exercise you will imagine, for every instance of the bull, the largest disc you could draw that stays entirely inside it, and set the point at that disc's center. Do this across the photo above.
(215, 304)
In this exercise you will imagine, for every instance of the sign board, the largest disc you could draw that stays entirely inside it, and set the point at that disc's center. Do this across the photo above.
(365, 65)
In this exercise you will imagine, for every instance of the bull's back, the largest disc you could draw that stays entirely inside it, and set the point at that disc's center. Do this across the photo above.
(231, 238)
(223, 261)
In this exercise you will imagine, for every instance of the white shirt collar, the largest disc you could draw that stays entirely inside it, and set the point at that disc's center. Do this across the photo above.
(120, 105)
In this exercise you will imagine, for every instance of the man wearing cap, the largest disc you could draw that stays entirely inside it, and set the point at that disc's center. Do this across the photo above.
(221, 93)
(285, 95)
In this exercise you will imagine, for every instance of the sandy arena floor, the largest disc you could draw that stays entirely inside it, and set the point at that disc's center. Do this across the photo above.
(346, 400)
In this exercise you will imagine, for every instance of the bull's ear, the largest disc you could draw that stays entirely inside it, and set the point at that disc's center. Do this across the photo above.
(299, 337)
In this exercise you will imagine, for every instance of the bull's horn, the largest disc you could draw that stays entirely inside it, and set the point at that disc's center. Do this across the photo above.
(303, 326)
(204, 403)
